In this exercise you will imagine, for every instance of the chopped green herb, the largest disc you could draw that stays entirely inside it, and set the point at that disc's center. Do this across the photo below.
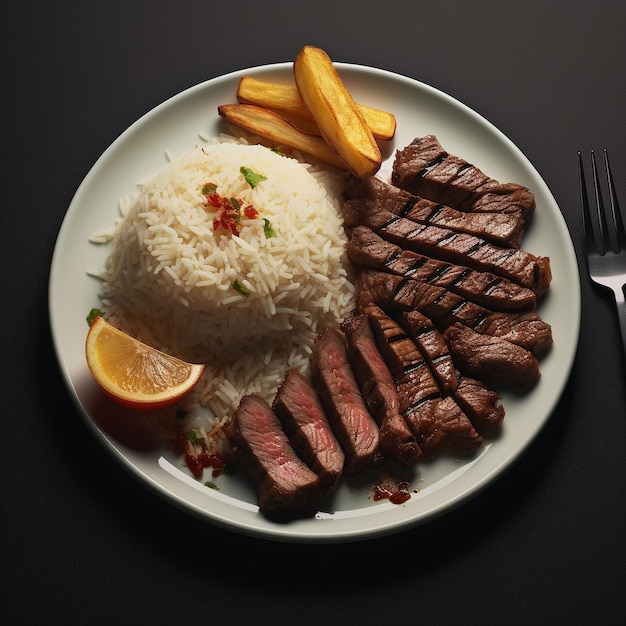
(252, 178)
(267, 229)
(211, 485)
(92, 315)
(241, 288)
(209, 188)
(192, 436)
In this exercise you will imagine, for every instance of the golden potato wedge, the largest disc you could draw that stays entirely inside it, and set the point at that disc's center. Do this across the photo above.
(381, 123)
(286, 100)
(334, 110)
(271, 126)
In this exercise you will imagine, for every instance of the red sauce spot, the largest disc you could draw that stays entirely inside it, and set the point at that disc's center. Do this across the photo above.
(397, 494)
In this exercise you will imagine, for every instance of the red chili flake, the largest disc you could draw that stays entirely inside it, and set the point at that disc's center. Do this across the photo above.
(250, 212)
(214, 200)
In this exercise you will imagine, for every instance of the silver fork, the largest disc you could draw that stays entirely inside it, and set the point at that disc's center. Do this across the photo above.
(605, 237)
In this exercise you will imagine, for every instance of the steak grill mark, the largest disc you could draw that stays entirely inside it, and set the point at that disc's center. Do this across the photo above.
(388, 291)
(502, 228)
(434, 348)
(425, 168)
(447, 245)
(368, 249)
(437, 421)
(512, 263)
(397, 442)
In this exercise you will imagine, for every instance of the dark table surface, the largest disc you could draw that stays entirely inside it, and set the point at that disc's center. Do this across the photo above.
(83, 542)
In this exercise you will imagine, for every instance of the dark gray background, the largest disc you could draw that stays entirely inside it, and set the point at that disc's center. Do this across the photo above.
(82, 542)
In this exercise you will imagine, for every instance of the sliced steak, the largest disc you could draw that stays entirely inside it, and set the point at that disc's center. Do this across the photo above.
(491, 358)
(283, 481)
(397, 441)
(514, 264)
(388, 291)
(433, 347)
(345, 406)
(438, 423)
(304, 421)
(481, 404)
(461, 436)
(367, 249)
(505, 229)
(424, 168)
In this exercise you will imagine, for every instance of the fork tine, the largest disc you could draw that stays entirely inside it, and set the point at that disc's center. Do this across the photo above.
(592, 229)
(618, 220)
(600, 211)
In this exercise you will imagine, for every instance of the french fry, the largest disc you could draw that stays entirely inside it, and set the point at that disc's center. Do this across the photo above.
(334, 110)
(286, 100)
(381, 123)
(271, 126)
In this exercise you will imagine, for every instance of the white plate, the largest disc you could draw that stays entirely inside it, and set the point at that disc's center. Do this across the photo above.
(175, 125)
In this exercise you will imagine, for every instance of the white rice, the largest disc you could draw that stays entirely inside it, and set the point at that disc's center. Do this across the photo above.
(169, 274)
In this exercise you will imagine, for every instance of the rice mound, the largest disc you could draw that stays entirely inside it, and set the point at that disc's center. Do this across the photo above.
(169, 275)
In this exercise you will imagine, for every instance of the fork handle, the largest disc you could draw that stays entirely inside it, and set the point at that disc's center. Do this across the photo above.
(620, 302)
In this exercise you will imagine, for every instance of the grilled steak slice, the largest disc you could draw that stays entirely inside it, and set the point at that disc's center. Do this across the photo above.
(418, 391)
(424, 168)
(480, 403)
(345, 407)
(283, 481)
(461, 434)
(392, 292)
(367, 249)
(303, 419)
(433, 347)
(505, 229)
(397, 442)
(516, 265)
(491, 358)
(438, 423)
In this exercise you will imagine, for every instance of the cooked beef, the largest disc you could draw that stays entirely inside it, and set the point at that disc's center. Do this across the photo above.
(514, 264)
(303, 419)
(433, 347)
(424, 168)
(461, 436)
(378, 387)
(481, 404)
(345, 406)
(502, 228)
(392, 292)
(283, 481)
(418, 391)
(491, 358)
(438, 423)
(367, 249)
